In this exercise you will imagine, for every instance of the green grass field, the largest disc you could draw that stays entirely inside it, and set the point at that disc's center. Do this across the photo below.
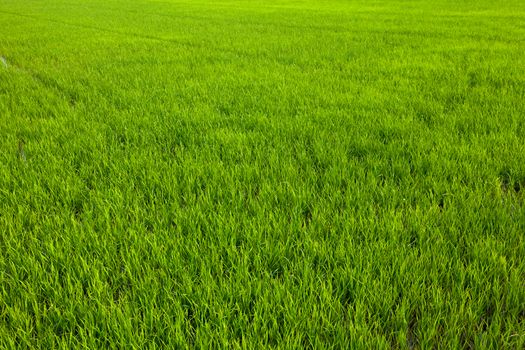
(262, 174)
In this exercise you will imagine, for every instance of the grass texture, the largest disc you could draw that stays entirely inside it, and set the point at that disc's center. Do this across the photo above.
(262, 174)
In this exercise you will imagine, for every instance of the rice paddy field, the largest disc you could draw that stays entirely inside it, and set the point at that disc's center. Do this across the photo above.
(279, 174)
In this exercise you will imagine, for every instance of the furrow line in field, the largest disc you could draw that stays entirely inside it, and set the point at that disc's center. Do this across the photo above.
(111, 31)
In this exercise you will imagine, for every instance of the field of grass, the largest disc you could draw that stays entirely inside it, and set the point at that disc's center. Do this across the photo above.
(262, 174)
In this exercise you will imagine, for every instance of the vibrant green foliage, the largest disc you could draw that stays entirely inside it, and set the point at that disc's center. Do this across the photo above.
(252, 174)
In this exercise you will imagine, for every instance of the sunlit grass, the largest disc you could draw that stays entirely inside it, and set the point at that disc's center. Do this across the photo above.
(246, 174)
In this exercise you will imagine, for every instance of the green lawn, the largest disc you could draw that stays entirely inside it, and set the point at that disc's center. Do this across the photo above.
(262, 174)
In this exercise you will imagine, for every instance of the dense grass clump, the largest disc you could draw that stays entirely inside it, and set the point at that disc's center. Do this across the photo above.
(262, 174)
